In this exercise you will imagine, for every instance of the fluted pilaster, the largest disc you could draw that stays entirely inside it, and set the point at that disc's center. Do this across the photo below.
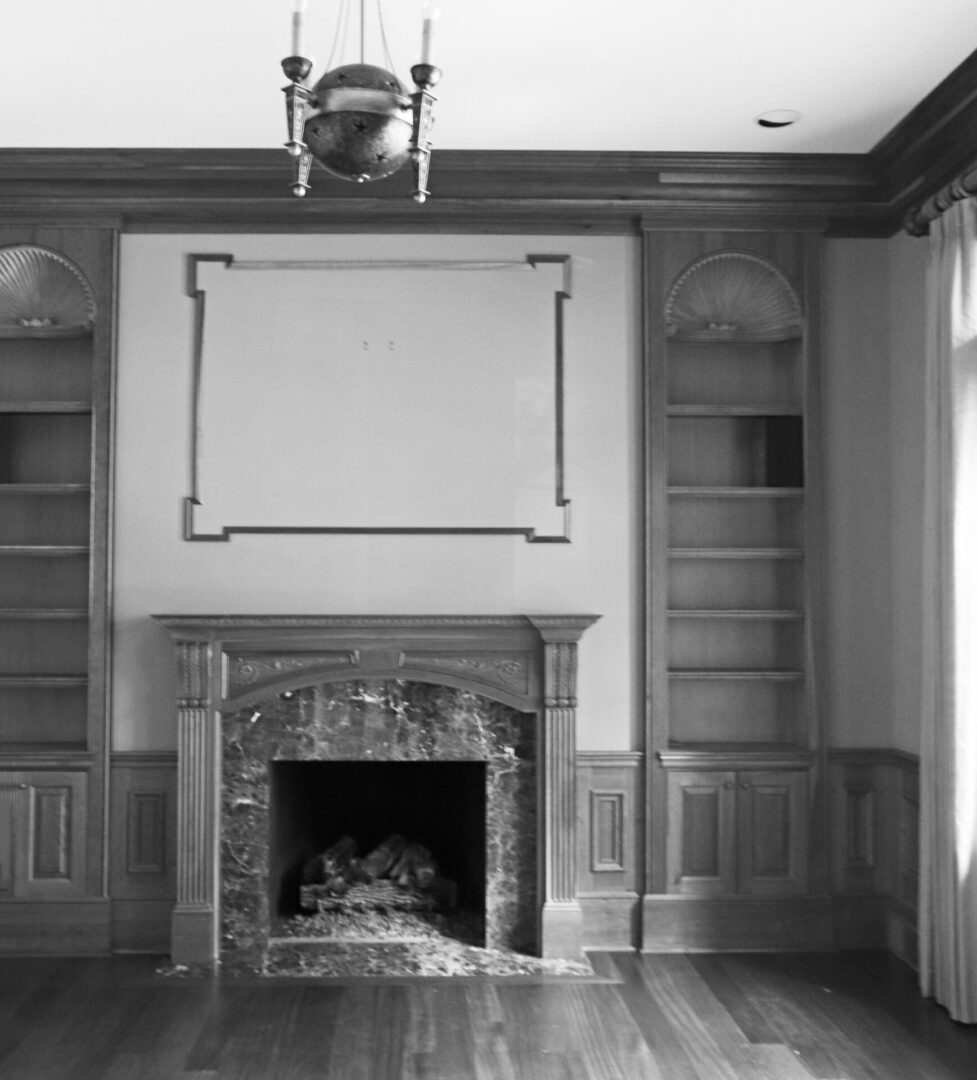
(561, 917)
(194, 934)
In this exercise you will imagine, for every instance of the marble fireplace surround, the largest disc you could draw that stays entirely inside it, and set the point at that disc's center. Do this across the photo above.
(228, 662)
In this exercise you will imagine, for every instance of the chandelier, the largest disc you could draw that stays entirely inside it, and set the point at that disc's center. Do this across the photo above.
(357, 120)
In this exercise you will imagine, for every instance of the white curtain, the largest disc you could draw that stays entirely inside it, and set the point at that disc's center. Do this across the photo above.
(948, 747)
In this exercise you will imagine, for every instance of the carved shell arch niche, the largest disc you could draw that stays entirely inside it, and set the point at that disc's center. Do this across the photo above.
(733, 296)
(43, 294)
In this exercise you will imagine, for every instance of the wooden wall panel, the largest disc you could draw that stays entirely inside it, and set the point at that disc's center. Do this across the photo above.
(875, 849)
(609, 846)
(52, 832)
(142, 875)
(11, 810)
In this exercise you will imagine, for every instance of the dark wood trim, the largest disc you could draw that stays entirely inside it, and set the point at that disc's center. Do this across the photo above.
(143, 759)
(931, 146)
(622, 759)
(874, 756)
(539, 192)
(736, 758)
(543, 192)
(917, 219)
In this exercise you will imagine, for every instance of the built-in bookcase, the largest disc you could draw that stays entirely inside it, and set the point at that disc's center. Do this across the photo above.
(731, 627)
(735, 537)
(735, 486)
(45, 498)
(55, 398)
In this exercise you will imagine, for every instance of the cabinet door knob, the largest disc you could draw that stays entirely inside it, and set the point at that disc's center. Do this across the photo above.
(744, 784)
(728, 784)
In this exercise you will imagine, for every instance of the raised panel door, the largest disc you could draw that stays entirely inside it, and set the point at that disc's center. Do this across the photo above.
(772, 832)
(701, 841)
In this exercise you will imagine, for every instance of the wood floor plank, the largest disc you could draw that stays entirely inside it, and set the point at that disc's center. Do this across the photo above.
(666, 1046)
(205, 1053)
(26, 995)
(260, 1033)
(703, 1022)
(490, 1054)
(535, 1030)
(310, 1047)
(729, 1017)
(752, 1022)
(835, 1034)
(605, 1037)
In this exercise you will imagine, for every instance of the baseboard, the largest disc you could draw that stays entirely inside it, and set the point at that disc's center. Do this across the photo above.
(55, 927)
(611, 920)
(902, 931)
(141, 925)
(735, 924)
(859, 922)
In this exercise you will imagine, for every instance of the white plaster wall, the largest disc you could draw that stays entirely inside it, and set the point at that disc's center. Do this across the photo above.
(156, 571)
(907, 289)
(872, 384)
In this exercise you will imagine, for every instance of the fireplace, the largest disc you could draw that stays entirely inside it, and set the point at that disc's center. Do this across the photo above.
(298, 731)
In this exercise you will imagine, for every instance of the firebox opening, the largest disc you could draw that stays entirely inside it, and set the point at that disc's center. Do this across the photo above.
(438, 806)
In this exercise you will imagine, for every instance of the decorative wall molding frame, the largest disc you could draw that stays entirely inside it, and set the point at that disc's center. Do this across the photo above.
(337, 445)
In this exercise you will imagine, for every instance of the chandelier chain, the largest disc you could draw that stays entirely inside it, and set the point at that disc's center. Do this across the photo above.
(342, 29)
(383, 38)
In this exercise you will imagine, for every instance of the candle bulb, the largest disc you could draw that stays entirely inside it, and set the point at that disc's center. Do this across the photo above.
(298, 8)
(431, 14)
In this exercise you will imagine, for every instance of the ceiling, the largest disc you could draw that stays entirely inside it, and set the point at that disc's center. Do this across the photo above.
(631, 75)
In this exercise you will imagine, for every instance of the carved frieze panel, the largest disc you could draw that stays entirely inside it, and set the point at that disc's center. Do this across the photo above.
(507, 671)
(246, 671)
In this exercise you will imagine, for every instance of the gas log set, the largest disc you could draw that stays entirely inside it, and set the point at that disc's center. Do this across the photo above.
(397, 875)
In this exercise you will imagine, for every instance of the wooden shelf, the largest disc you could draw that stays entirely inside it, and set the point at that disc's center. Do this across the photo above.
(735, 553)
(45, 489)
(43, 613)
(36, 406)
(737, 492)
(47, 551)
(21, 333)
(763, 675)
(59, 682)
(734, 613)
(692, 409)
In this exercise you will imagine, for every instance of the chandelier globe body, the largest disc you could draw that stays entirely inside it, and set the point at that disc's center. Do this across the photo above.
(362, 129)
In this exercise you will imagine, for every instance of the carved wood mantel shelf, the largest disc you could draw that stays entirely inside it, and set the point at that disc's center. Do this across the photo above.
(226, 662)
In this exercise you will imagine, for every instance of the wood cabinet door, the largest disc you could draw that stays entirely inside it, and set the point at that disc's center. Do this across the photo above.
(701, 833)
(771, 810)
(42, 835)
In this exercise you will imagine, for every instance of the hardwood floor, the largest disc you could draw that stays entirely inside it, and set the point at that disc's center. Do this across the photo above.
(831, 1016)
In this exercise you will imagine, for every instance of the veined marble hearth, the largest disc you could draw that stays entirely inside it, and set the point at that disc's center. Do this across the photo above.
(229, 662)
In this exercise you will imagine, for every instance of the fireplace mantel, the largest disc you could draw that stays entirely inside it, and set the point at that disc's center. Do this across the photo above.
(226, 662)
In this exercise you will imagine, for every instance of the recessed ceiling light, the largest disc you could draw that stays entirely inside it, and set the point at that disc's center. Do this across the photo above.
(778, 118)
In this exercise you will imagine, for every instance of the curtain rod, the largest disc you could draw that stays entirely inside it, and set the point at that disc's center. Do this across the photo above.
(917, 220)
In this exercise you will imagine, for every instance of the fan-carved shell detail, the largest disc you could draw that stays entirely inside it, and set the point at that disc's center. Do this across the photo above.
(42, 293)
(733, 296)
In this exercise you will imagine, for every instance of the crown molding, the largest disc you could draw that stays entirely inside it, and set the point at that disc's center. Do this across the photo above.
(171, 190)
(931, 149)
(149, 190)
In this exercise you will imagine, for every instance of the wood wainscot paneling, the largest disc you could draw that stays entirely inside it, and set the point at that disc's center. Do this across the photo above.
(142, 868)
(875, 849)
(610, 841)
(45, 906)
